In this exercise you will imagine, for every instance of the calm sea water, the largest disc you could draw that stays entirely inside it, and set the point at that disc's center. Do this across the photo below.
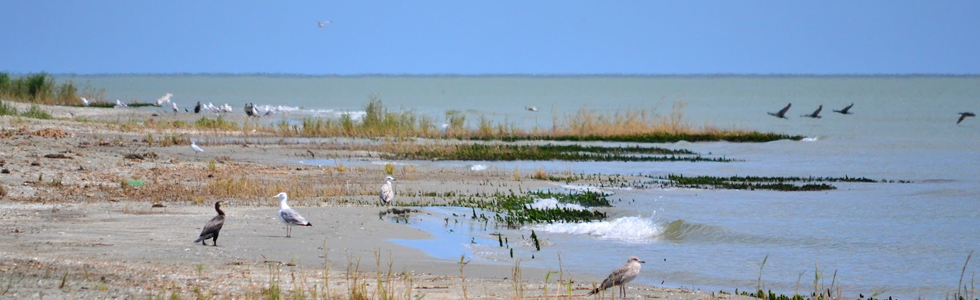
(909, 240)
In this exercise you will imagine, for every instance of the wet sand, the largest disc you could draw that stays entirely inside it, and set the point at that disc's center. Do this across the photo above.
(68, 230)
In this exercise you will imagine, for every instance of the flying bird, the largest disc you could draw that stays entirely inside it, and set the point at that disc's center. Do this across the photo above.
(387, 192)
(196, 148)
(120, 104)
(164, 99)
(531, 108)
(289, 216)
(85, 101)
(212, 228)
(964, 115)
(815, 114)
(621, 276)
(782, 112)
(846, 110)
(321, 24)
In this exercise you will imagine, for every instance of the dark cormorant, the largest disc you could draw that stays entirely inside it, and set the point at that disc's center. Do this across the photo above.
(963, 115)
(248, 109)
(782, 112)
(815, 114)
(212, 228)
(846, 110)
(197, 108)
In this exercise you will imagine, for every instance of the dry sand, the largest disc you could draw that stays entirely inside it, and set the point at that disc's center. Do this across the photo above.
(70, 230)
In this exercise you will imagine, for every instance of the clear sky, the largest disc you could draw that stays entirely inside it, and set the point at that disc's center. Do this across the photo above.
(491, 37)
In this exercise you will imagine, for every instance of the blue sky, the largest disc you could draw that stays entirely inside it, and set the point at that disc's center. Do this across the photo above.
(491, 37)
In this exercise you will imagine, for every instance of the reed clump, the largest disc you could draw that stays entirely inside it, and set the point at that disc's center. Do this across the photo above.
(38, 88)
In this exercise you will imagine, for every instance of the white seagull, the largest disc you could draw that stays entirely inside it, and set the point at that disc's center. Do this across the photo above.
(621, 276)
(289, 216)
(321, 24)
(387, 192)
(196, 148)
(120, 104)
(175, 106)
(164, 99)
(84, 101)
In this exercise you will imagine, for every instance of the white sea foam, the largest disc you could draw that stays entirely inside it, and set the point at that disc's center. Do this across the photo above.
(584, 188)
(553, 203)
(478, 167)
(625, 228)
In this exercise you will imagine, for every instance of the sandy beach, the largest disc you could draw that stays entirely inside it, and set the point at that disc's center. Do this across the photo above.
(80, 220)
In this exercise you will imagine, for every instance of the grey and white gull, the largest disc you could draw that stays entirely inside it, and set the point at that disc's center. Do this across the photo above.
(621, 276)
(387, 192)
(289, 216)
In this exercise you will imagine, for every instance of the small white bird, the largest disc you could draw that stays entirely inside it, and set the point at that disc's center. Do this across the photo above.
(196, 148)
(321, 24)
(621, 276)
(120, 104)
(289, 216)
(84, 101)
(175, 107)
(164, 99)
(387, 192)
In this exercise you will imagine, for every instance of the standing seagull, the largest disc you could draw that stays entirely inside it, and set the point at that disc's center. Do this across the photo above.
(212, 228)
(782, 112)
(846, 110)
(815, 114)
(175, 107)
(621, 276)
(963, 115)
(289, 216)
(196, 148)
(387, 191)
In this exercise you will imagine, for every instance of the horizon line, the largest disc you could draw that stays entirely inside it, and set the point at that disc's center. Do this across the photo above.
(512, 74)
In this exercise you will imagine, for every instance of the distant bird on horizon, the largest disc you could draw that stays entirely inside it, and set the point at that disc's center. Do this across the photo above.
(196, 148)
(846, 110)
(213, 227)
(321, 24)
(120, 104)
(964, 115)
(289, 216)
(197, 109)
(531, 108)
(815, 114)
(164, 99)
(85, 101)
(387, 192)
(782, 112)
(621, 276)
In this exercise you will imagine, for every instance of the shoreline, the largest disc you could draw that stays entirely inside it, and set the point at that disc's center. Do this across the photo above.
(72, 227)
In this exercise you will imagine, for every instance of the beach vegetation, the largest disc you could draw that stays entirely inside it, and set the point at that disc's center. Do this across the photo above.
(513, 152)
(789, 183)
(514, 210)
(38, 88)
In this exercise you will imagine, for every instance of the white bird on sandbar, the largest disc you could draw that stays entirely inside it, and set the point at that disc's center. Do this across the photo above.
(387, 192)
(196, 148)
(120, 104)
(175, 106)
(289, 216)
(621, 276)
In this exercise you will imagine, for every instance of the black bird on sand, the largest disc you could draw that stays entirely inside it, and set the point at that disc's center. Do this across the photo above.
(212, 228)
(964, 115)
(197, 108)
(846, 110)
(782, 112)
(815, 114)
